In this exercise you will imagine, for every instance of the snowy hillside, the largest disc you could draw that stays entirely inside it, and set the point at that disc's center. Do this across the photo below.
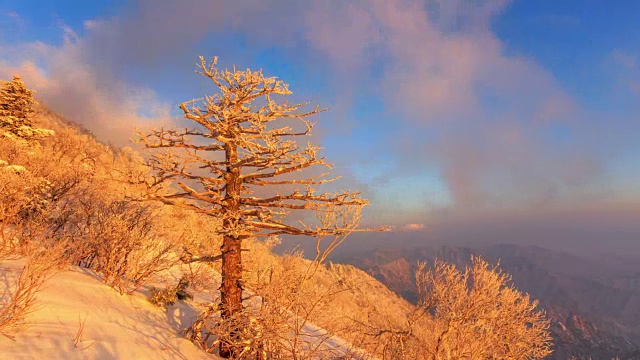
(116, 326)
(77, 316)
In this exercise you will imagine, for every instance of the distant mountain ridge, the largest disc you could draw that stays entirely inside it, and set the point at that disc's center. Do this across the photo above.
(594, 304)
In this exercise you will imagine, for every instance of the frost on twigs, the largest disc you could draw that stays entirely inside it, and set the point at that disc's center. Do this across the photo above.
(470, 313)
(243, 145)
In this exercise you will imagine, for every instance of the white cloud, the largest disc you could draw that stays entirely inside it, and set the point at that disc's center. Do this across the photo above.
(102, 102)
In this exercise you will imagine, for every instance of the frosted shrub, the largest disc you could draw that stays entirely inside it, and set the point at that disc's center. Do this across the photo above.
(470, 313)
(22, 197)
(117, 240)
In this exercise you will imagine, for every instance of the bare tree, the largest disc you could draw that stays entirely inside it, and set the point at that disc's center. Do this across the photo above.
(244, 141)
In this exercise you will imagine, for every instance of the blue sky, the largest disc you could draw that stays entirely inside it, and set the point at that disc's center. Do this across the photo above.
(438, 106)
(574, 40)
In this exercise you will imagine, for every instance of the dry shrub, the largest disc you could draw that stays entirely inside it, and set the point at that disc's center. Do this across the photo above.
(67, 189)
(36, 180)
(200, 276)
(19, 299)
(197, 239)
(117, 240)
(293, 310)
(336, 298)
(198, 234)
(285, 308)
(242, 332)
(285, 298)
(22, 196)
(255, 332)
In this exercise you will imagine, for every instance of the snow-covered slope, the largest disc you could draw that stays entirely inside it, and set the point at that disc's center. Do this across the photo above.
(79, 317)
(116, 327)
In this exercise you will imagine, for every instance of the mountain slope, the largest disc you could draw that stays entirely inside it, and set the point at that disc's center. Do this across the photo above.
(77, 316)
(337, 298)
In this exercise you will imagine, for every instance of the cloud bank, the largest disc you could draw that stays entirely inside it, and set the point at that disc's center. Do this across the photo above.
(496, 129)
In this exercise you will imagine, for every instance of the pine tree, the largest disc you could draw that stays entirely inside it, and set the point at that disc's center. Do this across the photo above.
(243, 145)
(16, 111)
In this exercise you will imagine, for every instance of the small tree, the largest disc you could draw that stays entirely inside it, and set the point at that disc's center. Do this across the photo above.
(16, 101)
(16, 111)
(479, 314)
(473, 313)
(242, 147)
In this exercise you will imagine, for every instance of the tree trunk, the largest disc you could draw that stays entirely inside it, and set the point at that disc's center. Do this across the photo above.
(231, 288)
